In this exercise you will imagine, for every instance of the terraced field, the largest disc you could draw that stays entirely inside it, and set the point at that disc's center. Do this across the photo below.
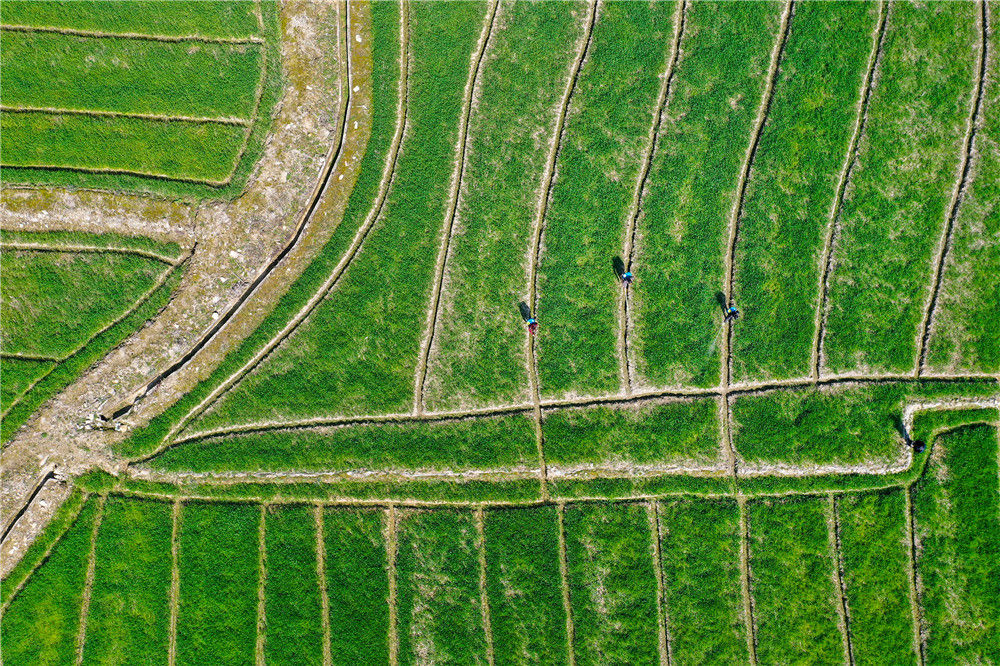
(394, 469)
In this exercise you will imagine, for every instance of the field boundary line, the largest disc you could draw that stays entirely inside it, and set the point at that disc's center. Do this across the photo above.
(484, 599)
(538, 226)
(48, 472)
(157, 117)
(324, 595)
(746, 585)
(961, 186)
(391, 550)
(836, 556)
(174, 599)
(14, 356)
(850, 161)
(662, 614)
(120, 172)
(356, 245)
(98, 34)
(919, 646)
(88, 585)
(261, 587)
(94, 249)
(455, 195)
(564, 583)
(680, 16)
(325, 174)
(668, 394)
(726, 352)
(140, 302)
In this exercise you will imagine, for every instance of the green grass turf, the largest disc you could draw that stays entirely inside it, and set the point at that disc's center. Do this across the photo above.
(357, 584)
(375, 317)
(41, 624)
(146, 143)
(791, 573)
(217, 620)
(385, 74)
(198, 151)
(53, 302)
(17, 376)
(651, 433)
(612, 580)
(958, 556)
(228, 18)
(129, 605)
(966, 332)
(894, 210)
(605, 136)
(479, 352)
(522, 585)
(928, 424)
(700, 545)
(292, 597)
(794, 179)
(875, 556)
(488, 442)
(844, 423)
(692, 181)
(440, 620)
(44, 69)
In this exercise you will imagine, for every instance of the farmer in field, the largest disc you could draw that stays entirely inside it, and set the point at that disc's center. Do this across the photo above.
(532, 325)
(627, 278)
(732, 313)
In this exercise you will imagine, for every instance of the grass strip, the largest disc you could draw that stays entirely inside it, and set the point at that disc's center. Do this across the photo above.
(103, 240)
(606, 130)
(18, 376)
(440, 620)
(791, 575)
(217, 621)
(522, 567)
(129, 611)
(894, 207)
(794, 179)
(292, 597)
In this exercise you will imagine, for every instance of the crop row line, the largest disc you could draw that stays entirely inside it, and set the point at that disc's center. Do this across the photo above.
(454, 197)
(332, 159)
(88, 585)
(961, 185)
(98, 34)
(635, 209)
(850, 162)
(158, 117)
(96, 249)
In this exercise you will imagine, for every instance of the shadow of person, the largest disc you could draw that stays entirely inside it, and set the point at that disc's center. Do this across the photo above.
(618, 266)
(525, 310)
(720, 298)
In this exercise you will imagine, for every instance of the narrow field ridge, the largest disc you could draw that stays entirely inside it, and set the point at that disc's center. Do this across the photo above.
(324, 596)
(635, 210)
(919, 648)
(261, 587)
(175, 582)
(98, 249)
(48, 473)
(844, 617)
(455, 195)
(961, 185)
(746, 586)
(850, 161)
(484, 600)
(158, 117)
(662, 614)
(253, 39)
(564, 584)
(88, 586)
(391, 548)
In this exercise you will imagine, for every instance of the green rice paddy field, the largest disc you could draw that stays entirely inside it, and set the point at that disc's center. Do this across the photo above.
(407, 475)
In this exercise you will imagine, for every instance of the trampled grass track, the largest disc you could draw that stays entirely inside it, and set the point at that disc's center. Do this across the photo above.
(628, 253)
(961, 185)
(850, 161)
(455, 194)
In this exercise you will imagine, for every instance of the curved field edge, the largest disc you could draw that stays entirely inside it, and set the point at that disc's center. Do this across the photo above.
(385, 71)
(270, 94)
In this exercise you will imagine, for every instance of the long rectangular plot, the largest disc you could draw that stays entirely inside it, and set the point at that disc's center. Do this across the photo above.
(440, 616)
(964, 334)
(130, 602)
(874, 552)
(689, 193)
(606, 132)
(956, 506)
(52, 70)
(791, 573)
(523, 586)
(41, 624)
(478, 354)
(894, 210)
(217, 619)
(183, 150)
(612, 578)
(292, 595)
(700, 553)
(357, 585)
(793, 182)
